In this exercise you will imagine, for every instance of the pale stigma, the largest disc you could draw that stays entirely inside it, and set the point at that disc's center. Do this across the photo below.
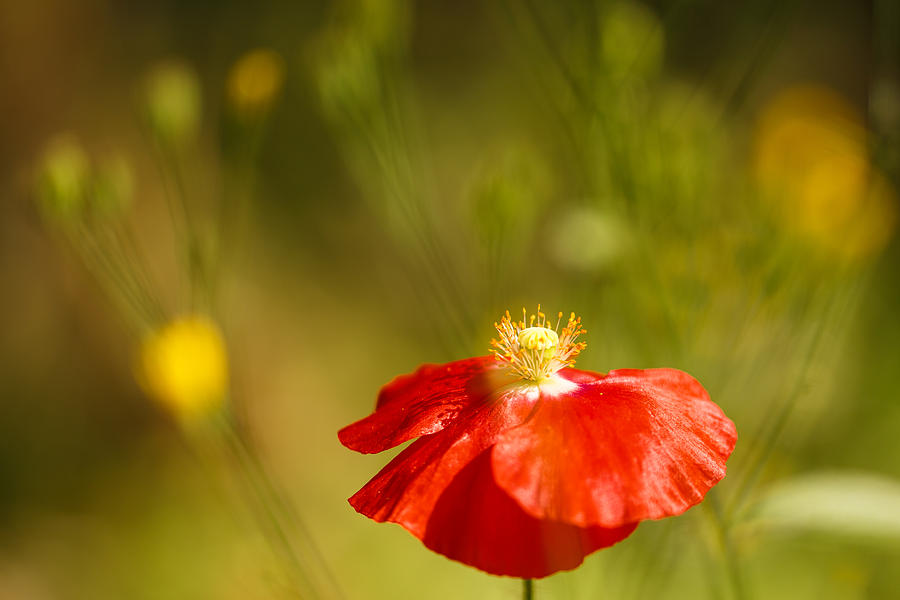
(533, 349)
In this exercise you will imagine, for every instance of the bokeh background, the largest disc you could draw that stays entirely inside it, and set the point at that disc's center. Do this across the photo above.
(365, 186)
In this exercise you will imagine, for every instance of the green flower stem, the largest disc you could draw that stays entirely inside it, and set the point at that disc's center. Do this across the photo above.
(109, 277)
(726, 547)
(528, 589)
(167, 162)
(771, 431)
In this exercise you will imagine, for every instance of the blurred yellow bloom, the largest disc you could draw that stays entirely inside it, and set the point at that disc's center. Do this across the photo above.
(64, 176)
(172, 101)
(811, 159)
(184, 366)
(254, 80)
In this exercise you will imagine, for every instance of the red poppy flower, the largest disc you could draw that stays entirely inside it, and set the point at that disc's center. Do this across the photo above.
(525, 465)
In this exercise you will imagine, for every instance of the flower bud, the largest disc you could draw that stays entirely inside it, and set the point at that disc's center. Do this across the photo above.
(587, 239)
(172, 102)
(633, 41)
(63, 179)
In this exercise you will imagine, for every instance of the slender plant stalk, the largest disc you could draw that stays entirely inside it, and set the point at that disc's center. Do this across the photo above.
(100, 266)
(283, 528)
(528, 589)
(726, 546)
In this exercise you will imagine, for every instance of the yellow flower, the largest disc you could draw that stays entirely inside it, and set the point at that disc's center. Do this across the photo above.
(255, 80)
(813, 165)
(184, 366)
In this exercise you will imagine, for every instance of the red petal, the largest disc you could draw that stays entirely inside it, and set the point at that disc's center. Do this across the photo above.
(406, 490)
(629, 446)
(477, 523)
(420, 403)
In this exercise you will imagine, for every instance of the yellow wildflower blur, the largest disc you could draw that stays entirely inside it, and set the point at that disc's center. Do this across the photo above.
(811, 159)
(254, 80)
(184, 366)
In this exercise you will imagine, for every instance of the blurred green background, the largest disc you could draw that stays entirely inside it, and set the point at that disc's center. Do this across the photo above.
(710, 185)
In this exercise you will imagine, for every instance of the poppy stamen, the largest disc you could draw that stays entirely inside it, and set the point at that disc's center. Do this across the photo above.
(534, 350)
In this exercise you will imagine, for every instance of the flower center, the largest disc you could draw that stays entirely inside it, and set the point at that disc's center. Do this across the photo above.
(534, 350)
(538, 338)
